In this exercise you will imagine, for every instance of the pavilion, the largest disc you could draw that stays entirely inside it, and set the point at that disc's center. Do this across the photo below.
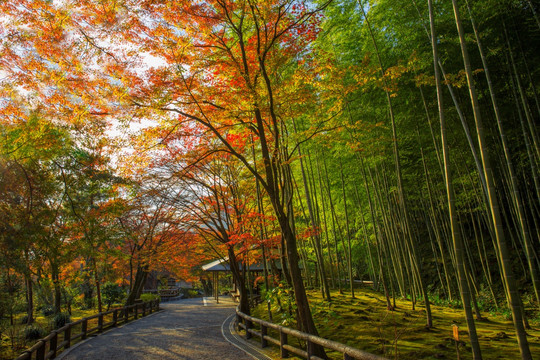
(222, 266)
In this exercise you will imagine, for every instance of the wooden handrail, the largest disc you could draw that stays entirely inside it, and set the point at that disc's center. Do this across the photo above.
(48, 347)
(246, 322)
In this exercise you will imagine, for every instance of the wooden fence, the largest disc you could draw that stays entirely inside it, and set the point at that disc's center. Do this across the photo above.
(247, 323)
(61, 339)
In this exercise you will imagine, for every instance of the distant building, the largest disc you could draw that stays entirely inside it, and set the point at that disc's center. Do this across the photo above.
(160, 279)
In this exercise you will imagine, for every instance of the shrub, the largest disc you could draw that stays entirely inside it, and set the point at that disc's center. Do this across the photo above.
(189, 293)
(148, 297)
(60, 320)
(24, 319)
(34, 332)
(112, 293)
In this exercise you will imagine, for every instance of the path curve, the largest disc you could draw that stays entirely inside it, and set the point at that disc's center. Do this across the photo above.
(190, 329)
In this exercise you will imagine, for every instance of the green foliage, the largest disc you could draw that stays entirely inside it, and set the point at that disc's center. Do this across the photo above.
(34, 332)
(149, 297)
(189, 293)
(443, 301)
(503, 312)
(281, 299)
(112, 293)
(60, 320)
(485, 300)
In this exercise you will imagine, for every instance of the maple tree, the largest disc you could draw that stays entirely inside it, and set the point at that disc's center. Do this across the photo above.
(227, 72)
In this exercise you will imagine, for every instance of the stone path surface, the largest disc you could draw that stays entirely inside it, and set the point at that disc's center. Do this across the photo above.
(190, 329)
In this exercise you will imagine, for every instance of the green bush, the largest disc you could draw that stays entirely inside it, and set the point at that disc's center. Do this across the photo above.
(148, 297)
(60, 320)
(112, 293)
(189, 293)
(34, 332)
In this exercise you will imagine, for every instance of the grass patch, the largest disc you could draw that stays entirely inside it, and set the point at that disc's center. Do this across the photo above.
(366, 324)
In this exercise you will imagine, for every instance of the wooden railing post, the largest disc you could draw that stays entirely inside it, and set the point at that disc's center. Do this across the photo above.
(100, 322)
(238, 322)
(126, 314)
(264, 332)
(283, 341)
(53, 344)
(40, 353)
(136, 311)
(249, 325)
(115, 317)
(143, 309)
(67, 337)
(84, 328)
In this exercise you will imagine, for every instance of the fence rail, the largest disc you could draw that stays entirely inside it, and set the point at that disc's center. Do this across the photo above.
(164, 293)
(246, 322)
(49, 347)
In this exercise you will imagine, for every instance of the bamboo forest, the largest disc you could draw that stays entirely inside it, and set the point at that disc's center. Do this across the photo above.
(367, 171)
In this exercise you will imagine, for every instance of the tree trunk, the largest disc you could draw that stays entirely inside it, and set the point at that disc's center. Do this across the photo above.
(239, 280)
(138, 284)
(98, 285)
(305, 320)
(57, 290)
(29, 300)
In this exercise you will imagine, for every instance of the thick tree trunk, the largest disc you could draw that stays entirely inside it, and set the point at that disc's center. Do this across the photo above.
(239, 280)
(305, 319)
(138, 284)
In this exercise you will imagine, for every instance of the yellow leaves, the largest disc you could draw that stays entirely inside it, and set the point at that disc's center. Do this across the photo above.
(458, 80)
(424, 80)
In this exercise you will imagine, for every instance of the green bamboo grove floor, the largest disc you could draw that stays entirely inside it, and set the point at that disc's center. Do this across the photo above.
(365, 323)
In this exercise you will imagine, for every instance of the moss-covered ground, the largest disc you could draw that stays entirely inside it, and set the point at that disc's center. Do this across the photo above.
(366, 324)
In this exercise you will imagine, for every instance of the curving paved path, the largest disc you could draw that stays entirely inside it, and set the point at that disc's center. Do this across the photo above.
(188, 329)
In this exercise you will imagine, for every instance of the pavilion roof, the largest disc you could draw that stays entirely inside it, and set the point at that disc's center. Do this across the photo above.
(223, 265)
